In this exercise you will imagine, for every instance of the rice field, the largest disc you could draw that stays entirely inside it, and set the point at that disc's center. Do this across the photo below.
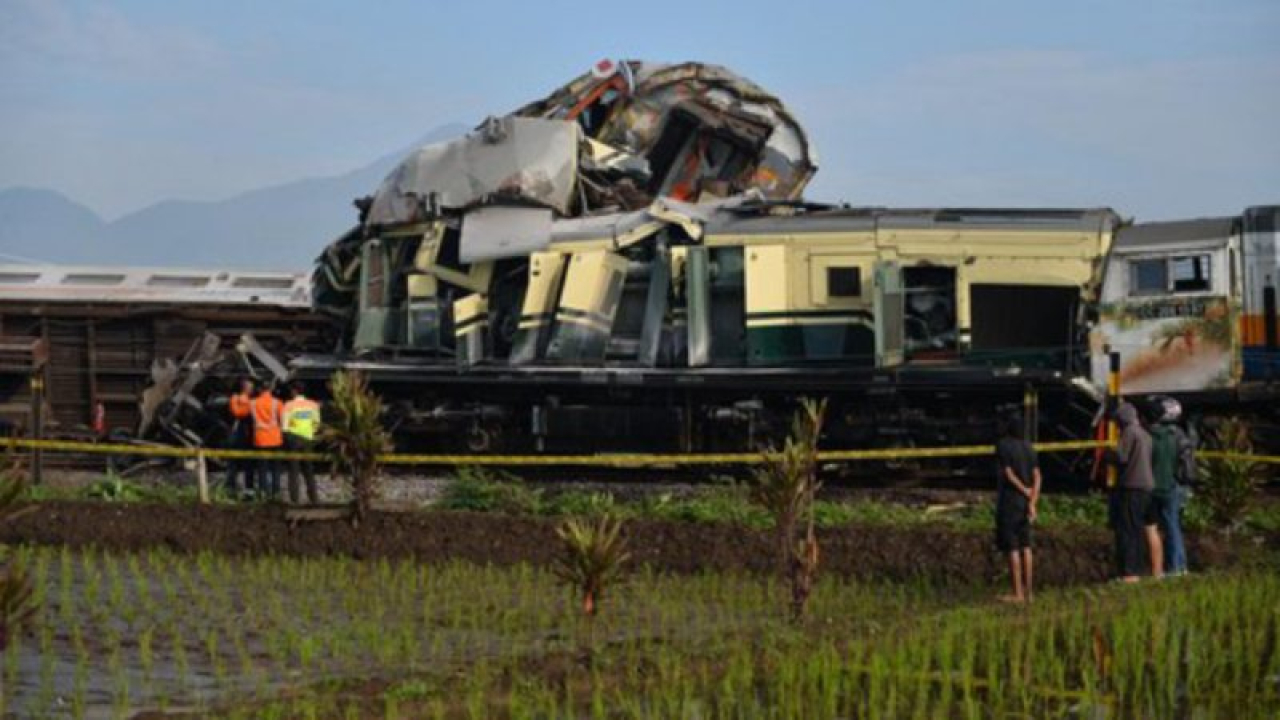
(122, 634)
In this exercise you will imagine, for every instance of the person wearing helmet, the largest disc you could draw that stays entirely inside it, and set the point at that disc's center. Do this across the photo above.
(1173, 468)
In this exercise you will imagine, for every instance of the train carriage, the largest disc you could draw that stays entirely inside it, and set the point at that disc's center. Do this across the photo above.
(1190, 307)
(695, 328)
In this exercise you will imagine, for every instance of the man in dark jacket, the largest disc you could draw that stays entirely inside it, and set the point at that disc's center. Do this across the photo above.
(1132, 493)
(1173, 466)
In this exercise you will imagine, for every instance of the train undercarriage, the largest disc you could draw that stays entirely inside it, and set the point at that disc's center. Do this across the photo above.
(516, 411)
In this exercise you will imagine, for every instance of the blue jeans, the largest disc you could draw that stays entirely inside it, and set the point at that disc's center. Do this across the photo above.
(1169, 510)
(268, 472)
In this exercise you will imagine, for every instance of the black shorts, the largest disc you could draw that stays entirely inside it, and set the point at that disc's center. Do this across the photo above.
(1155, 506)
(1013, 527)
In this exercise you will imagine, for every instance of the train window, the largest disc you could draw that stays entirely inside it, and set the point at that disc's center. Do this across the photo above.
(1178, 274)
(1190, 273)
(1149, 277)
(844, 282)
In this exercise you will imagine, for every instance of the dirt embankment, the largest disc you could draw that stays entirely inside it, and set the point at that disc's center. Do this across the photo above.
(1063, 556)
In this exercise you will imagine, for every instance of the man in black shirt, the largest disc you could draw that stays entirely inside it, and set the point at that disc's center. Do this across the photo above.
(1017, 491)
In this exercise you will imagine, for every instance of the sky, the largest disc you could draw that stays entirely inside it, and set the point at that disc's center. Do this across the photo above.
(1160, 109)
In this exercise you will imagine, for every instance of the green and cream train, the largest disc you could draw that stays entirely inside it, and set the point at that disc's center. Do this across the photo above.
(694, 328)
(688, 328)
(627, 265)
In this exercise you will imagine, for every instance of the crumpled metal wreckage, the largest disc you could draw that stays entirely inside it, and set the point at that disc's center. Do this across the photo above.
(178, 406)
(628, 148)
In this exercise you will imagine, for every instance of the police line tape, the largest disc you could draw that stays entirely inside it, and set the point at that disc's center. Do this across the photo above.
(607, 460)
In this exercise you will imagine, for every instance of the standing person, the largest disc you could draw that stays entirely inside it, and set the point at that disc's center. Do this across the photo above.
(1017, 492)
(1132, 493)
(240, 471)
(1173, 466)
(267, 437)
(301, 421)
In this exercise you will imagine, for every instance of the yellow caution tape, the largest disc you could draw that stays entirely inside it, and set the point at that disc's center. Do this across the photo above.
(156, 450)
(1222, 455)
(606, 460)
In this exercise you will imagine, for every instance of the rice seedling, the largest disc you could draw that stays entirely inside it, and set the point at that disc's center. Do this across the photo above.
(297, 637)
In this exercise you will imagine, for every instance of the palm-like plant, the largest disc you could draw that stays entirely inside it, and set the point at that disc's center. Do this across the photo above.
(593, 558)
(354, 436)
(16, 606)
(786, 487)
(1227, 483)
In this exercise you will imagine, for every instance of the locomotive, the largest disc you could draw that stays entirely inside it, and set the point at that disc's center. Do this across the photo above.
(628, 265)
(1190, 307)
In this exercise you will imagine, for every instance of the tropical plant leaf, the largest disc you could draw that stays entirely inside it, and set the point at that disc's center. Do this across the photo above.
(16, 603)
(354, 435)
(593, 557)
(1228, 483)
(786, 486)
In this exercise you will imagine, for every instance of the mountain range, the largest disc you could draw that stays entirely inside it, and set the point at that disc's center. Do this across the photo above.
(280, 227)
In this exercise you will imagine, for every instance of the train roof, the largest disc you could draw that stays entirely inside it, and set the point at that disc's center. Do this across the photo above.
(750, 221)
(1176, 232)
(114, 284)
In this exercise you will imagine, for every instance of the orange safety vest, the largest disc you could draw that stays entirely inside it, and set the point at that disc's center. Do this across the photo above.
(240, 406)
(266, 422)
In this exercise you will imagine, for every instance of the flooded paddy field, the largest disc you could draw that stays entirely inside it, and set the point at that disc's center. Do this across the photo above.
(473, 628)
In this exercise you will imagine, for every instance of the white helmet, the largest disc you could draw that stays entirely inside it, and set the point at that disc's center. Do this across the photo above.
(1170, 409)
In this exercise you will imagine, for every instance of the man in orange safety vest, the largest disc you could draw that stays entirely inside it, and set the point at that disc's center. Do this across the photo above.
(268, 413)
(240, 472)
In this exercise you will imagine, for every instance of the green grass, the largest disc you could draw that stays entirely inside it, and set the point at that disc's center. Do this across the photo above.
(332, 637)
(115, 489)
(483, 491)
(480, 490)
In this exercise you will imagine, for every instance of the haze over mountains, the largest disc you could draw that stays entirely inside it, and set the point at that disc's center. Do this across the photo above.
(281, 227)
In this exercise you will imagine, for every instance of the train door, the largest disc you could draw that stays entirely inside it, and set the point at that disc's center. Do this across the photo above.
(889, 313)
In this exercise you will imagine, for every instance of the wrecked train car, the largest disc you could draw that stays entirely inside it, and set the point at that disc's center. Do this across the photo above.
(613, 140)
(695, 327)
(136, 352)
(687, 131)
(626, 264)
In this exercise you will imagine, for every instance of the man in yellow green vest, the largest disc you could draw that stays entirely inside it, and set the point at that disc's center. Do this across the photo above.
(301, 423)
